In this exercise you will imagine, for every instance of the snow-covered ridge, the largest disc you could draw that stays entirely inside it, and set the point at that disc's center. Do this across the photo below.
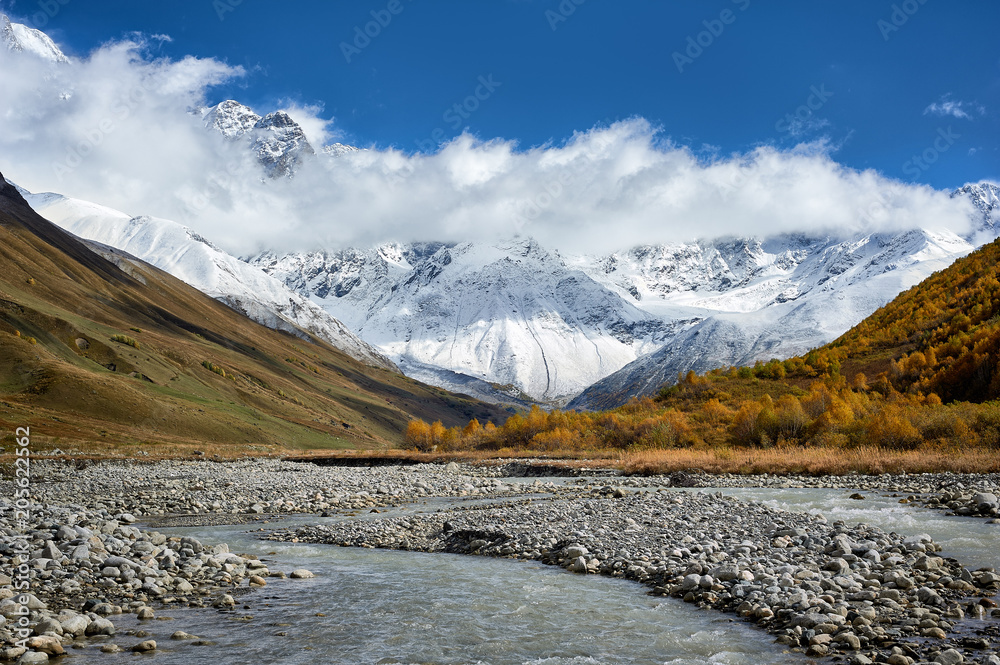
(832, 288)
(23, 39)
(278, 142)
(505, 313)
(516, 313)
(985, 196)
(191, 258)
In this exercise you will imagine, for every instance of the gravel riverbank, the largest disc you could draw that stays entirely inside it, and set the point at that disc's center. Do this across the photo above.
(970, 495)
(85, 561)
(83, 568)
(822, 588)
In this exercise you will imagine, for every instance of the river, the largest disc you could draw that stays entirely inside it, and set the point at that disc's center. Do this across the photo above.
(382, 607)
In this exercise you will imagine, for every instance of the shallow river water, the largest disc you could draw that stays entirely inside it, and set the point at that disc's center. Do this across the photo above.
(374, 606)
(970, 540)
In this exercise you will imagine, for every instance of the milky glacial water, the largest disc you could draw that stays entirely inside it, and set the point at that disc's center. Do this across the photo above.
(405, 607)
(386, 607)
(970, 540)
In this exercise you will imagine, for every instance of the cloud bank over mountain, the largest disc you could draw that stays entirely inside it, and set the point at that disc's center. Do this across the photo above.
(124, 128)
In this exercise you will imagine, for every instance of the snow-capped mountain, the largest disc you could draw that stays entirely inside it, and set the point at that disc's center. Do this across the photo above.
(230, 118)
(509, 313)
(279, 142)
(23, 39)
(788, 295)
(188, 256)
(985, 196)
(545, 326)
(800, 295)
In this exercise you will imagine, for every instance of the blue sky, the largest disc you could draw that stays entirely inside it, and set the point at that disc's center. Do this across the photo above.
(558, 119)
(887, 81)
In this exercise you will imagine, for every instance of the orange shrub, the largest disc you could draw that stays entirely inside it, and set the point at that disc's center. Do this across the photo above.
(891, 429)
(556, 439)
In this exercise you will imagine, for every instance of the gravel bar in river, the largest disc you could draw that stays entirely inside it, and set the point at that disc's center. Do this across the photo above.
(828, 589)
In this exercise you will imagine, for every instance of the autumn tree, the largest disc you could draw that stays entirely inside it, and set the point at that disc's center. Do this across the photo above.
(418, 434)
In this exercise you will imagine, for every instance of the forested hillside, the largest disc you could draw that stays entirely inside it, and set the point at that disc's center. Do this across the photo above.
(920, 371)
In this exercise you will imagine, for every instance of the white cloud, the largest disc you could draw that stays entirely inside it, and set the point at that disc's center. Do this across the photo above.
(116, 128)
(318, 130)
(957, 109)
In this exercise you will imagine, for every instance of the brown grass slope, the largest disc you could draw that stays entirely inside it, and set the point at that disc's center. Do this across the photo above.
(100, 358)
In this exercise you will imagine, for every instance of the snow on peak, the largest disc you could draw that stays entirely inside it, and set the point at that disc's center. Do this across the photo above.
(231, 119)
(339, 149)
(280, 144)
(985, 196)
(23, 39)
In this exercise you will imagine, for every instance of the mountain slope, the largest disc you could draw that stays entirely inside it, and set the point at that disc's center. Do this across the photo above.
(835, 285)
(97, 352)
(546, 324)
(941, 336)
(193, 259)
(506, 313)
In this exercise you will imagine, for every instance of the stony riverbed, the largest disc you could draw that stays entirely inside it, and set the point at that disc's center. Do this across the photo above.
(972, 495)
(826, 589)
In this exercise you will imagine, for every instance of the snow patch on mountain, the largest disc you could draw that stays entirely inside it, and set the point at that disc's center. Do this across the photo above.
(339, 150)
(192, 258)
(279, 143)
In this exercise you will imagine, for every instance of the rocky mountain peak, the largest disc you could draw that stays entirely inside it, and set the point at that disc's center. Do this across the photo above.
(20, 38)
(231, 119)
(985, 196)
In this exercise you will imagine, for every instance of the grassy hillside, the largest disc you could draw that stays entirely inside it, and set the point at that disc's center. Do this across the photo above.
(918, 374)
(101, 355)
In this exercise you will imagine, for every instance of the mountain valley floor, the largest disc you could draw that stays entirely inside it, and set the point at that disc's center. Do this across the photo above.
(824, 588)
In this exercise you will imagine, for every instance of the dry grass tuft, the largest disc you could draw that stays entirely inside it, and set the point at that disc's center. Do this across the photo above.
(811, 461)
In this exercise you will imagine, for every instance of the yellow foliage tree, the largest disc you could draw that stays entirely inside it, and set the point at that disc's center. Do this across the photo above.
(418, 434)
